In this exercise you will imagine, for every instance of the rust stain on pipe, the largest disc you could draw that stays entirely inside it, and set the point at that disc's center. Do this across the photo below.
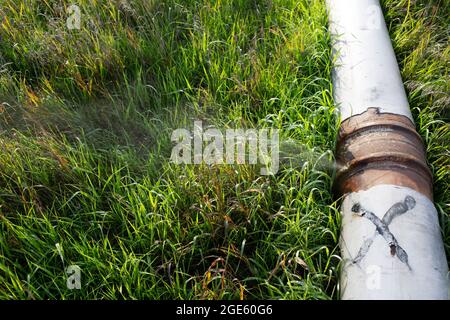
(381, 148)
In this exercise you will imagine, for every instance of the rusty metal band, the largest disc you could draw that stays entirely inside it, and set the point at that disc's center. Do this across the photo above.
(380, 148)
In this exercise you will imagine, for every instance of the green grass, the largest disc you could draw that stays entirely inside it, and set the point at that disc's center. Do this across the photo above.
(85, 123)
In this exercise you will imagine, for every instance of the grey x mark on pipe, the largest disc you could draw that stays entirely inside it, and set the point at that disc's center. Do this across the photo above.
(382, 228)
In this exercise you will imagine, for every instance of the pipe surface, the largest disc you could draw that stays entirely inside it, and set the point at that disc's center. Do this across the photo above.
(367, 72)
(391, 242)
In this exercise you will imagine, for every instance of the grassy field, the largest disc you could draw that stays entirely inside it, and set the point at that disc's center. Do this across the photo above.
(85, 122)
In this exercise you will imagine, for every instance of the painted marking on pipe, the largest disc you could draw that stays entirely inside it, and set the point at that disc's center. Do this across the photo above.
(382, 228)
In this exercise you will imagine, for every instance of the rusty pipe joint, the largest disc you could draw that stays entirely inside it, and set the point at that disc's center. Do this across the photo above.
(380, 148)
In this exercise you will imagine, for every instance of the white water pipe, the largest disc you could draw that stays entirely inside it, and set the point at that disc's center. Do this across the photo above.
(391, 242)
(367, 72)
